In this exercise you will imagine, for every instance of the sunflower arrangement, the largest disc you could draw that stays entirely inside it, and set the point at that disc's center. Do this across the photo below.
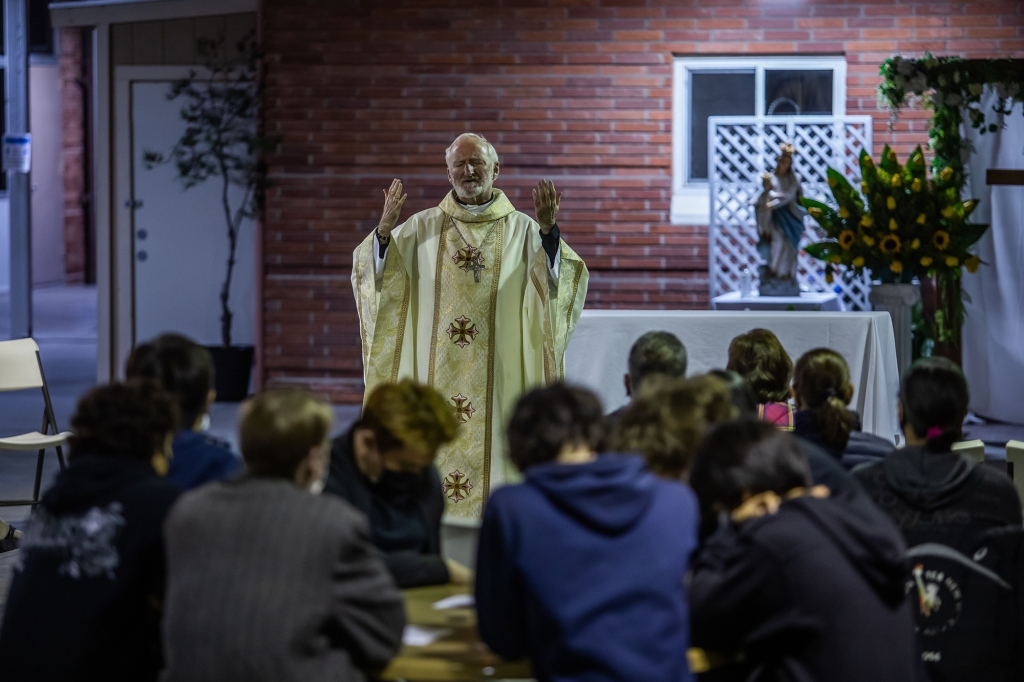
(901, 224)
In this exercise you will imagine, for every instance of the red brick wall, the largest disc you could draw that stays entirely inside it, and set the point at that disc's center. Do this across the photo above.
(72, 101)
(578, 91)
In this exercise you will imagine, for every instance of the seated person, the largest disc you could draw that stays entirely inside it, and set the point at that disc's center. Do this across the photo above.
(825, 470)
(85, 602)
(760, 359)
(267, 580)
(653, 354)
(580, 567)
(941, 499)
(791, 585)
(821, 391)
(384, 468)
(667, 419)
(185, 369)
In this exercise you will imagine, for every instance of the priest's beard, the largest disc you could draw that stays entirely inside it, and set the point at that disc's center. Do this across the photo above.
(469, 190)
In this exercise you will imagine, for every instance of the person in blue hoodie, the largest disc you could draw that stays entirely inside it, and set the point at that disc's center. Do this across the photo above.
(581, 567)
(185, 369)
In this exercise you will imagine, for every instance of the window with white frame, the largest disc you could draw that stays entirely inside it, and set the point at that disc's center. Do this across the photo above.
(740, 86)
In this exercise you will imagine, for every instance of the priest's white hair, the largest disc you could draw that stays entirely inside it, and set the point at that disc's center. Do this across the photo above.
(488, 147)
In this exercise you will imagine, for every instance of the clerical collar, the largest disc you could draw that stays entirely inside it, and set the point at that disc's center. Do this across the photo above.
(475, 209)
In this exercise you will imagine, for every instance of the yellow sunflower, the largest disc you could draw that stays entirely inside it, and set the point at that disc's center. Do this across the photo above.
(941, 240)
(922, 219)
(892, 224)
(896, 266)
(867, 221)
(869, 240)
(890, 244)
(948, 212)
(972, 263)
(890, 203)
(858, 262)
(846, 239)
(916, 244)
(843, 213)
(952, 261)
(926, 261)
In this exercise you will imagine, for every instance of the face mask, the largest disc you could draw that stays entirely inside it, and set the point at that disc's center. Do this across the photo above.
(395, 483)
(204, 425)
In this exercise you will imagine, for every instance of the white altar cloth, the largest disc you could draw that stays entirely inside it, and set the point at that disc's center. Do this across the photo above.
(597, 355)
(807, 300)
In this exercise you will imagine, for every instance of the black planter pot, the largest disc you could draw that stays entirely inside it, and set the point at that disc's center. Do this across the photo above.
(233, 367)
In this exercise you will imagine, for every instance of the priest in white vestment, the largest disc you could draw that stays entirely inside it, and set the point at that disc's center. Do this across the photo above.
(475, 299)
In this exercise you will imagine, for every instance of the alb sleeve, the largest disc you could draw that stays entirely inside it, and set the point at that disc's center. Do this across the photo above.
(551, 243)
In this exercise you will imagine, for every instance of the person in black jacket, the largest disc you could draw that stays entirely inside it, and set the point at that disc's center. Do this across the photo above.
(384, 467)
(821, 391)
(791, 585)
(85, 601)
(941, 499)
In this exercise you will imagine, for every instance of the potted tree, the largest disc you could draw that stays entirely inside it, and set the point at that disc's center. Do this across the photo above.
(222, 142)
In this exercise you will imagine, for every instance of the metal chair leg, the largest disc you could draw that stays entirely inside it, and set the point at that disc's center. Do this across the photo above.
(39, 476)
(60, 458)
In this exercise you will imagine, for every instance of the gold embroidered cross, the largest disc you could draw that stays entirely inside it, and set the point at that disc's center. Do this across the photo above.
(462, 331)
(463, 408)
(456, 486)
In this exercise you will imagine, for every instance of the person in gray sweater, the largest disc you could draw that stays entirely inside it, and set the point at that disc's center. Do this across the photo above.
(267, 580)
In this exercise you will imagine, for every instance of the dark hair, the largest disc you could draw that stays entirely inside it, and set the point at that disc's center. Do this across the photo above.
(546, 419)
(129, 419)
(745, 457)
(182, 366)
(821, 380)
(656, 353)
(408, 413)
(742, 395)
(759, 357)
(935, 396)
(668, 418)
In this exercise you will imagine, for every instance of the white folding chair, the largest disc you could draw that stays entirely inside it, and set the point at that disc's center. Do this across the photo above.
(1015, 464)
(21, 369)
(975, 449)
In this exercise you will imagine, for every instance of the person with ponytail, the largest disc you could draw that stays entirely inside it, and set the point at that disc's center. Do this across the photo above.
(961, 520)
(822, 391)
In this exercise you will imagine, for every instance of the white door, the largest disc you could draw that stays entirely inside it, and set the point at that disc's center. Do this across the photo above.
(180, 239)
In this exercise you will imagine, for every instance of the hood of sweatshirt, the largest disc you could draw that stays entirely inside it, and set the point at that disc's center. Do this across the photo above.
(874, 547)
(609, 495)
(90, 478)
(927, 480)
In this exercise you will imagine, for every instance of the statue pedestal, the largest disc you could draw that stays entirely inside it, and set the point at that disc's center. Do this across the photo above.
(898, 300)
(805, 301)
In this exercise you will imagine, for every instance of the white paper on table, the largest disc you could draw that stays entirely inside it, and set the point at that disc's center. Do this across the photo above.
(416, 635)
(458, 601)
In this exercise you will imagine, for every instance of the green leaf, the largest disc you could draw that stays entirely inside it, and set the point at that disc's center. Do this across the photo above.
(970, 233)
(821, 250)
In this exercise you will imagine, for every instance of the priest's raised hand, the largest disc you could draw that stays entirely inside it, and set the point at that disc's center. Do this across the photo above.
(545, 202)
(393, 202)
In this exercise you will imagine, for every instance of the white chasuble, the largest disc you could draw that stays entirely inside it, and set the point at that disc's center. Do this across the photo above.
(466, 304)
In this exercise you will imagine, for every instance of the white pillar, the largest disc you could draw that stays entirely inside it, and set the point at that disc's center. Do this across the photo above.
(898, 300)
(18, 184)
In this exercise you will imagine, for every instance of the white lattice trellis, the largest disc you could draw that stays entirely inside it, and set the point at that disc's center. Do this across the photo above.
(740, 148)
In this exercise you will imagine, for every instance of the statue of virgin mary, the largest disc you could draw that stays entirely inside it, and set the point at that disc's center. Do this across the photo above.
(780, 225)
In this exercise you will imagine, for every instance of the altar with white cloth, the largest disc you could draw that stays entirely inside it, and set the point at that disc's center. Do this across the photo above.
(597, 355)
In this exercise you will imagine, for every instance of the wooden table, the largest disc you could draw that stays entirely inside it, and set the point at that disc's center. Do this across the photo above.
(461, 656)
(457, 657)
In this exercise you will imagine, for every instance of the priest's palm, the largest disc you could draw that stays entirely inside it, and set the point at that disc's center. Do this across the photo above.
(393, 201)
(545, 202)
